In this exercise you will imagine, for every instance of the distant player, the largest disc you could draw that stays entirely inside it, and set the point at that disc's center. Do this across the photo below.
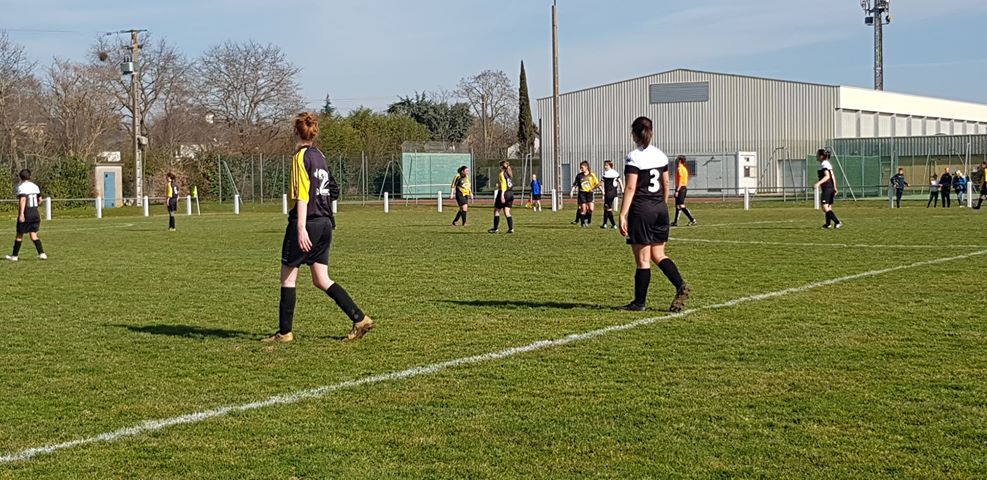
(898, 183)
(945, 187)
(461, 192)
(586, 184)
(644, 217)
(535, 193)
(681, 190)
(612, 186)
(309, 234)
(28, 217)
(172, 200)
(983, 186)
(827, 186)
(505, 198)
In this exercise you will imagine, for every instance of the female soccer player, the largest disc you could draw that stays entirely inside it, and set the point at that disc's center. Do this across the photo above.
(461, 191)
(586, 183)
(535, 193)
(309, 234)
(612, 186)
(172, 200)
(505, 198)
(644, 217)
(681, 189)
(827, 182)
(28, 217)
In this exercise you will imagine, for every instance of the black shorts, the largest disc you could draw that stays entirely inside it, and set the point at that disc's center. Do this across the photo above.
(647, 223)
(173, 205)
(319, 232)
(536, 198)
(680, 196)
(28, 226)
(508, 200)
(828, 196)
(608, 201)
(461, 199)
(585, 197)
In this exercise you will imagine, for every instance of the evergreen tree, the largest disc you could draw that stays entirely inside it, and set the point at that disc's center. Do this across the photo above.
(525, 125)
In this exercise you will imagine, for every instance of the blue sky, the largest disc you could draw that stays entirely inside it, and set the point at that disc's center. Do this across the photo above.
(368, 53)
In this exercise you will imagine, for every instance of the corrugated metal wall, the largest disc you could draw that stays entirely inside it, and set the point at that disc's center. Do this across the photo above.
(777, 119)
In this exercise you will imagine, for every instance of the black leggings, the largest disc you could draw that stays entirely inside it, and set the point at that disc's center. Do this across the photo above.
(933, 199)
(946, 201)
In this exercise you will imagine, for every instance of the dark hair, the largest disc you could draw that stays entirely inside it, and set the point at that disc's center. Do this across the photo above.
(608, 162)
(584, 162)
(25, 175)
(680, 159)
(823, 153)
(462, 169)
(306, 126)
(642, 129)
(171, 175)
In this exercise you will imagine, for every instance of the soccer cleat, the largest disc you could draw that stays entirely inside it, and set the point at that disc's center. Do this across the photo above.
(172, 230)
(673, 224)
(682, 296)
(510, 231)
(280, 338)
(693, 223)
(42, 256)
(839, 225)
(360, 328)
(11, 258)
(632, 307)
(604, 226)
(826, 226)
(573, 222)
(493, 230)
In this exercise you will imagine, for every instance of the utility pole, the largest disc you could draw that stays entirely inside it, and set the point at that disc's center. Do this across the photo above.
(877, 14)
(483, 122)
(556, 107)
(135, 123)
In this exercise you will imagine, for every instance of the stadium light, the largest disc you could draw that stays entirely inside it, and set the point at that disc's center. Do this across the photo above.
(877, 13)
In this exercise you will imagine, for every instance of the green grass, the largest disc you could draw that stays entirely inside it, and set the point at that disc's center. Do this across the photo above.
(880, 377)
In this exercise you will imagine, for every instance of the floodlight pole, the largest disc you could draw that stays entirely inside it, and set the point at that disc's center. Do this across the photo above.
(879, 15)
(556, 107)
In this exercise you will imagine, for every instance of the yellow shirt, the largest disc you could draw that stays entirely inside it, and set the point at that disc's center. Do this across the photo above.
(589, 182)
(463, 185)
(505, 182)
(682, 176)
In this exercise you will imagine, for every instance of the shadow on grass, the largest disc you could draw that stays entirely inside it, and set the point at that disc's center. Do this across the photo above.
(187, 331)
(522, 304)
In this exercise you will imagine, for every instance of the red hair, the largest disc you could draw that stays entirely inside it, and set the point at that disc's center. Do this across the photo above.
(306, 126)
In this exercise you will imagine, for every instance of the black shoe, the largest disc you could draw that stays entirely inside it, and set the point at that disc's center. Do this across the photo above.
(826, 226)
(692, 223)
(632, 307)
(673, 224)
(573, 222)
(510, 231)
(493, 230)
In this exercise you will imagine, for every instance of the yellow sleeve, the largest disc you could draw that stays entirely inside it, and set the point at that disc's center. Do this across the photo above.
(300, 183)
(503, 182)
(171, 192)
(596, 181)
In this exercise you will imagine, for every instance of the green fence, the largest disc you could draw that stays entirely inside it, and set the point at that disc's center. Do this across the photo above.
(424, 174)
(860, 176)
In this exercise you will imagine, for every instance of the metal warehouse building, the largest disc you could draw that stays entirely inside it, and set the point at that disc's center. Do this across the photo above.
(720, 121)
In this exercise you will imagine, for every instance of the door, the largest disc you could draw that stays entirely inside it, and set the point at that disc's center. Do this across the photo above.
(109, 189)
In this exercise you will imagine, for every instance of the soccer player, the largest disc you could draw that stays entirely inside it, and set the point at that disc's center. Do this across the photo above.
(827, 183)
(898, 183)
(644, 217)
(461, 191)
(505, 198)
(983, 186)
(309, 234)
(945, 187)
(586, 183)
(28, 217)
(681, 189)
(612, 186)
(172, 200)
(535, 193)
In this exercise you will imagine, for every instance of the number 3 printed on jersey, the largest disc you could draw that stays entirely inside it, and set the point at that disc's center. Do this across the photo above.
(655, 185)
(323, 177)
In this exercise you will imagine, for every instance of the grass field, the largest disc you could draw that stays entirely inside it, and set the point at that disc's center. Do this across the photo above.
(866, 376)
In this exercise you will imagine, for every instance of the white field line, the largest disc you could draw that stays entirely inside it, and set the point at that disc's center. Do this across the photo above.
(78, 229)
(766, 222)
(320, 392)
(799, 244)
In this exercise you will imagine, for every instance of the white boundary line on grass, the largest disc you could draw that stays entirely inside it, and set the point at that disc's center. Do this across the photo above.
(320, 392)
(766, 222)
(800, 244)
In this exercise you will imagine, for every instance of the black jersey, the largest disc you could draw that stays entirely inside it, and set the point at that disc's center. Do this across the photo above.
(610, 185)
(311, 182)
(32, 195)
(649, 164)
(824, 167)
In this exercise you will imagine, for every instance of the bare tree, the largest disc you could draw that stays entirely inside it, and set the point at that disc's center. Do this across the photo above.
(81, 111)
(493, 98)
(18, 94)
(250, 88)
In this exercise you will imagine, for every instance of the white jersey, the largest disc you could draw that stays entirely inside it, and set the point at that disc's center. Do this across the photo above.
(30, 191)
(648, 163)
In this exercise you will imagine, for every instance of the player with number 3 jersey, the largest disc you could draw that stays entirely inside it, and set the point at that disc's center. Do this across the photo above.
(644, 216)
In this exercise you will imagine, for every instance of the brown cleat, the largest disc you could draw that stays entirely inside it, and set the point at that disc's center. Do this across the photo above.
(681, 297)
(279, 338)
(360, 328)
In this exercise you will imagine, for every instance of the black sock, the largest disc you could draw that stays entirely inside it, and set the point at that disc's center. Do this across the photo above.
(642, 280)
(678, 211)
(668, 267)
(608, 217)
(345, 302)
(589, 218)
(463, 214)
(832, 215)
(458, 215)
(579, 215)
(17, 248)
(496, 222)
(286, 310)
(980, 202)
(688, 214)
(510, 222)
(171, 220)
(37, 245)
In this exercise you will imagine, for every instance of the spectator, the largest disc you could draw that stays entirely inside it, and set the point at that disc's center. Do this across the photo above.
(898, 183)
(959, 184)
(933, 192)
(946, 188)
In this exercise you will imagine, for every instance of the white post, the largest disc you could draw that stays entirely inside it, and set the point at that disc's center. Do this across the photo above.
(969, 193)
(236, 204)
(439, 198)
(891, 190)
(284, 204)
(335, 207)
(555, 201)
(188, 205)
(48, 208)
(99, 207)
(387, 202)
(747, 198)
(818, 198)
(147, 212)
(616, 205)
